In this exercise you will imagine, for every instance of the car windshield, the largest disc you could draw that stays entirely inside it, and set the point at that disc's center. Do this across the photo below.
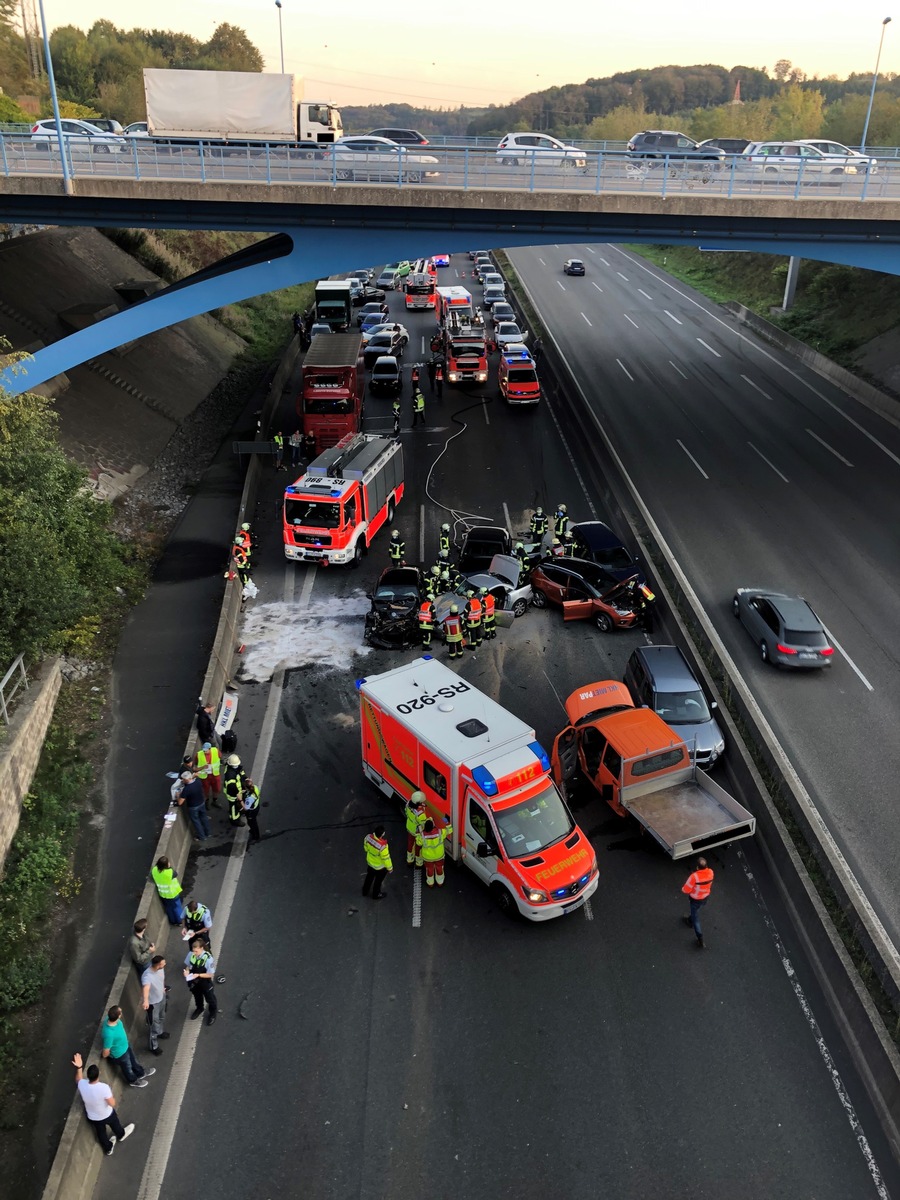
(508, 329)
(615, 556)
(682, 708)
(312, 514)
(534, 824)
(522, 375)
(397, 593)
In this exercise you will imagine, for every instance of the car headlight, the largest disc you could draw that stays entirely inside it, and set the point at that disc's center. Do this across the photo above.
(452, 377)
(482, 376)
(534, 895)
(718, 748)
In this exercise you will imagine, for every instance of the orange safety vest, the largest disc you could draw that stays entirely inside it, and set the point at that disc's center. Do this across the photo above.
(473, 611)
(240, 557)
(699, 885)
(488, 605)
(453, 627)
(243, 537)
(426, 615)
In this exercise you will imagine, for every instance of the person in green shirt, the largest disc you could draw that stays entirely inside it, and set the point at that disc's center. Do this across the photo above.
(116, 1048)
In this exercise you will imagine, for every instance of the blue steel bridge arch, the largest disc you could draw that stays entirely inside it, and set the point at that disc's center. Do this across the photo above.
(312, 241)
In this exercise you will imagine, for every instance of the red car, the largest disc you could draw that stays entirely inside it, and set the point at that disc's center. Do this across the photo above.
(583, 589)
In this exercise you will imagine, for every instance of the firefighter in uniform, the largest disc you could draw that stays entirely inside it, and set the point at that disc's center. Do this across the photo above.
(251, 808)
(454, 575)
(434, 583)
(378, 862)
(473, 619)
(453, 634)
(568, 541)
(430, 845)
(200, 971)
(557, 549)
(489, 619)
(209, 772)
(416, 816)
(197, 921)
(233, 786)
(444, 539)
(426, 621)
(521, 554)
(538, 522)
(396, 548)
(641, 599)
(445, 580)
(244, 538)
(561, 520)
(442, 561)
(241, 560)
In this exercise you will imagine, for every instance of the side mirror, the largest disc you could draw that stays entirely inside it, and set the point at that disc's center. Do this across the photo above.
(483, 850)
(368, 595)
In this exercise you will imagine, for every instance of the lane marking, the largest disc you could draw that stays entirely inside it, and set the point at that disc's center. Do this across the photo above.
(588, 911)
(625, 369)
(643, 293)
(597, 286)
(627, 318)
(621, 276)
(691, 457)
(755, 386)
(709, 347)
(831, 449)
(417, 898)
(591, 248)
(584, 318)
(604, 260)
(767, 462)
(678, 369)
(754, 344)
(554, 691)
(822, 1046)
(421, 533)
(558, 284)
(578, 476)
(487, 419)
(508, 521)
(541, 261)
(850, 661)
(673, 317)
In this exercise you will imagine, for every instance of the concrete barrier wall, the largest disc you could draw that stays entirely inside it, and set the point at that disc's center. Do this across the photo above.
(76, 1165)
(22, 748)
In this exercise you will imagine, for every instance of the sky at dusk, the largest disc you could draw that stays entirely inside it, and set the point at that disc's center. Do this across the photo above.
(448, 54)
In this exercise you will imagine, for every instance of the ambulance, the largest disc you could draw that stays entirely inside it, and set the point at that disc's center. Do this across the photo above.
(517, 377)
(481, 768)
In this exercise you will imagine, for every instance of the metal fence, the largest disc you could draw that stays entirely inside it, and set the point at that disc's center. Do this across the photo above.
(11, 684)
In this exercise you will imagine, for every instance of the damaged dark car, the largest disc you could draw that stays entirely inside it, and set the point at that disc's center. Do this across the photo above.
(392, 623)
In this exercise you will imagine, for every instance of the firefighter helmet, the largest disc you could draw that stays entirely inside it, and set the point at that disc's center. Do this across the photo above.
(557, 542)
(417, 798)
(445, 576)
(561, 508)
(482, 591)
(245, 526)
(454, 608)
(538, 512)
(233, 760)
(470, 592)
(519, 546)
(395, 534)
(436, 572)
(444, 555)
(445, 528)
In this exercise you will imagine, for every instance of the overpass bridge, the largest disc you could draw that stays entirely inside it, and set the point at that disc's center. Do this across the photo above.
(320, 224)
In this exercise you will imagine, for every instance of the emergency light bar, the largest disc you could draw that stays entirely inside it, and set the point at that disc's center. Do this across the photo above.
(515, 356)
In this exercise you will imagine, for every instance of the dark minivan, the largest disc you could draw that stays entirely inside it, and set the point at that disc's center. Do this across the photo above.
(659, 677)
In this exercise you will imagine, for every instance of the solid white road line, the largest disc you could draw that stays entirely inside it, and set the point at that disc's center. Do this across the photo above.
(755, 386)
(584, 318)
(766, 461)
(709, 347)
(576, 473)
(621, 276)
(421, 533)
(597, 286)
(487, 419)
(832, 450)
(625, 369)
(673, 317)
(417, 898)
(558, 284)
(643, 293)
(627, 318)
(691, 457)
(850, 661)
(678, 369)
(508, 521)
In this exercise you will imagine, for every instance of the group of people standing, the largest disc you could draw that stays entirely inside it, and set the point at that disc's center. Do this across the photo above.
(424, 848)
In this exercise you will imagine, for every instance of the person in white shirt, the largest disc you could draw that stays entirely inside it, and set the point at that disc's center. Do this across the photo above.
(100, 1106)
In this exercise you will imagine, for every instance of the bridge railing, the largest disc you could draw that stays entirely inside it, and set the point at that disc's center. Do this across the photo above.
(465, 167)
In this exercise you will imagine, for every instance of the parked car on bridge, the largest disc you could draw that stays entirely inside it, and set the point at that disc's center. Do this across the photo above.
(523, 149)
(78, 135)
(379, 344)
(730, 145)
(388, 327)
(108, 125)
(840, 153)
(789, 159)
(669, 143)
(378, 159)
(371, 307)
(406, 137)
(136, 129)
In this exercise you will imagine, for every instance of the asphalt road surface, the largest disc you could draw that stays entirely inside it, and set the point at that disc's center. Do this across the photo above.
(360, 1054)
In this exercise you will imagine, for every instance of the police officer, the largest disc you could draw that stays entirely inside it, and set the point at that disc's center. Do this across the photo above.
(430, 844)
(444, 539)
(418, 407)
(396, 547)
(561, 520)
(488, 619)
(453, 634)
(197, 921)
(395, 412)
(251, 808)
(416, 816)
(538, 522)
(233, 787)
(378, 862)
(200, 972)
(473, 619)
(426, 621)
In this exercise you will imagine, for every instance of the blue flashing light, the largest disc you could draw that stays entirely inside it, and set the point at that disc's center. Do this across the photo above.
(292, 489)
(427, 657)
(583, 880)
(485, 780)
(359, 683)
(335, 491)
(540, 754)
(516, 356)
(560, 892)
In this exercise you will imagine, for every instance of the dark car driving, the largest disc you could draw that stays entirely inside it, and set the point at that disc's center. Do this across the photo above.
(573, 266)
(393, 620)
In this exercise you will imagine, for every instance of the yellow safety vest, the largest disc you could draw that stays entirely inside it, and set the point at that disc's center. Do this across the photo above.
(166, 883)
(378, 856)
(415, 818)
(208, 762)
(432, 844)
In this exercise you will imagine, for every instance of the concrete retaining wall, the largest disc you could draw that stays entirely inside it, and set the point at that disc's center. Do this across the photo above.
(22, 749)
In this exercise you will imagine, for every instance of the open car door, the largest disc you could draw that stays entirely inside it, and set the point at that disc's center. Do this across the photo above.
(564, 759)
(577, 610)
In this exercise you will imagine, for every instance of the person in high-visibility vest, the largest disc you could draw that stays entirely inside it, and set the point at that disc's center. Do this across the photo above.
(430, 844)
(243, 537)
(697, 889)
(521, 555)
(557, 549)
(426, 621)
(278, 439)
(169, 889)
(395, 413)
(560, 520)
(396, 547)
(489, 618)
(444, 539)
(443, 559)
(378, 862)
(233, 787)
(538, 522)
(416, 816)
(418, 407)
(453, 634)
(433, 586)
(241, 560)
(251, 809)
(209, 772)
(473, 620)
(200, 973)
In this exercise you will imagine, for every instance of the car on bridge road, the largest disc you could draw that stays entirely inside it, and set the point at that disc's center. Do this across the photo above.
(406, 137)
(785, 628)
(670, 144)
(377, 159)
(837, 152)
(387, 327)
(540, 151)
(78, 136)
(379, 344)
(792, 160)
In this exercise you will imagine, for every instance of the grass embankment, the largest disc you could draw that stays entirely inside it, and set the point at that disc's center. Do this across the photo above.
(837, 309)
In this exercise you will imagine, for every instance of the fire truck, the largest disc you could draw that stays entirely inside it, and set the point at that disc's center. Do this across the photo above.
(465, 353)
(334, 510)
(331, 394)
(419, 290)
(517, 377)
(482, 770)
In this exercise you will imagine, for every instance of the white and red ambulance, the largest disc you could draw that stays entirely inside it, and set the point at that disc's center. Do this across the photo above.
(481, 768)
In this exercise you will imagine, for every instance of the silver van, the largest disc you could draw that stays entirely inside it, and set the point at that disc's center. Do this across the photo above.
(659, 677)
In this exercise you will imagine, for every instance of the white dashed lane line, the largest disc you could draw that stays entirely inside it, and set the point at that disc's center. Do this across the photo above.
(678, 369)
(597, 286)
(693, 460)
(634, 323)
(621, 276)
(625, 369)
(605, 261)
(558, 284)
(584, 318)
(672, 317)
(830, 449)
(756, 450)
(755, 386)
(708, 347)
(643, 293)
(590, 249)
(541, 261)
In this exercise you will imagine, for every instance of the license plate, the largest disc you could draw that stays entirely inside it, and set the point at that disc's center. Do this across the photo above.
(806, 654)
(313, 554)
(567, 908)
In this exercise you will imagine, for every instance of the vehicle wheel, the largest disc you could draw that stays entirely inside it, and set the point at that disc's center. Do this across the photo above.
(344, 175)
(538, 599)
(770, 170)
(415, 177)
(568, 164)
(102, 150)
(736, 607)
(837, 171)
(504, 901)
(604, 622)
(390, 519)
(519, 608)
(764, 652)
(358, 552)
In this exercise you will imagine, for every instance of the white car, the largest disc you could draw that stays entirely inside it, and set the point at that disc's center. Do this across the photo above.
(864, 163)
(503, 579)
(378, 158)
(508, 333)
(387, 327)
(493, 279)
(523, 149)
(136, 129)
(788, 159)
(79, 135)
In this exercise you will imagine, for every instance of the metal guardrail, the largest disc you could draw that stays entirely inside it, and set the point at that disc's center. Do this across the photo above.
(14, 679)
(142, 159)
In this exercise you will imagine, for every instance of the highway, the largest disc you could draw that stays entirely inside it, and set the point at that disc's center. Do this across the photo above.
(364, 1052)
(760, 473)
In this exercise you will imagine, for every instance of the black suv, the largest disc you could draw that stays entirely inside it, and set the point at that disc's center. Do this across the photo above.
(663, 143)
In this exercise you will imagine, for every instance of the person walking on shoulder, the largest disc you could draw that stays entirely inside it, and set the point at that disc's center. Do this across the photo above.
(153, 987)
(116, 1048)
(100, 1106)
(378, 862)
(697, 889)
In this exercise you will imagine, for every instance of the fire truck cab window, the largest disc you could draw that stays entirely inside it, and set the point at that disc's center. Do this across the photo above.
(434, 780)
(312, 513)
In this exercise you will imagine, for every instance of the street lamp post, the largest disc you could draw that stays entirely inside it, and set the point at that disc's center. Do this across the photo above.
(281, 34)
(54, 100)
(884, 25)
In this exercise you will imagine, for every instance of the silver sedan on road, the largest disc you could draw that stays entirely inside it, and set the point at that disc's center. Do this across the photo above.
(785, 628)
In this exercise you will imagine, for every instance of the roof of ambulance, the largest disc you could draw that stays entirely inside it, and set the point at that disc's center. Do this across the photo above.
(435, 723)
